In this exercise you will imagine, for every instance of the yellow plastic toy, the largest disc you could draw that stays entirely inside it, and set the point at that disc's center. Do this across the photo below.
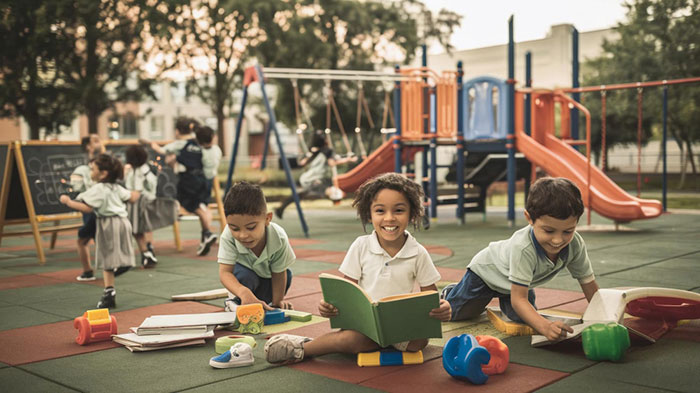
(95, 325)
(388, 358)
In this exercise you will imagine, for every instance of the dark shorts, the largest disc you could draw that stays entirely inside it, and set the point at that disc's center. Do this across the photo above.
(89, 228)
(192, 191)
(261, 287)
(471, 295)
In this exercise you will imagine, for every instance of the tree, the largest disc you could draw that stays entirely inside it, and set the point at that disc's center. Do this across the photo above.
(108, 43)
(30, 84)
(658, 40)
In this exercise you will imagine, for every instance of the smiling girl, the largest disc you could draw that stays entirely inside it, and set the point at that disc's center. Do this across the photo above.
(387, 262)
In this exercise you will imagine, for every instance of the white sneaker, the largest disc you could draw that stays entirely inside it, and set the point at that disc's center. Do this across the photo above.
(240, 354)
(285, 348)
(206, 244)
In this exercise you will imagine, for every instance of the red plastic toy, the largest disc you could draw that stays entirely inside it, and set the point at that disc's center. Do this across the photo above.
(500, 355)
(95, 325)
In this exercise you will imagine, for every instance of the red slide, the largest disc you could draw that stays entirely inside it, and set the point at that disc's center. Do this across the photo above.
(380, 161)
(607, 199)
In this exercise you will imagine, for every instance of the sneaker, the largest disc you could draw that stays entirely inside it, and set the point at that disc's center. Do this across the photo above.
(121, 270)
(148, 260)
(279, 212)
(108, 299)
(240, 354)
(206, 244)
(446, 291)
(149, 247)
(87, 276)
(231, 304)
(285, 348)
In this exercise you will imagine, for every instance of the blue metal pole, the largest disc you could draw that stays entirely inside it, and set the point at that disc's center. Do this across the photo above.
(285, 163)
(397, 112)
(574, 82)
(663, 147)
(460, 144)
(528, 96)
(239, 122)
(510, 141)
(266, 147)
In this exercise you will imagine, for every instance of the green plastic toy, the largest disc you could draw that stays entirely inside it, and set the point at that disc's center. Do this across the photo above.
(605, 341)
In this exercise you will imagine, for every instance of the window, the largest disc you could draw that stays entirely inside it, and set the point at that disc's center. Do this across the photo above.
(157, 127)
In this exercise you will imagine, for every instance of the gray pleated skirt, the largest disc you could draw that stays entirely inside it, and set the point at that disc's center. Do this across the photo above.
(113, 243)
(147, 215)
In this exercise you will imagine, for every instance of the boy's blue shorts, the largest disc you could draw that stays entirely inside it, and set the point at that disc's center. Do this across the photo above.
(261, 287)
(471, 295)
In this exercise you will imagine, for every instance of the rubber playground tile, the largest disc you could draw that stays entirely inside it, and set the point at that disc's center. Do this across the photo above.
(566, 356)
(311, 330)
(440, 250)
(588, 384)
(56, 340)
(305, 253)
(328, 257)
(451, 275)
(298, 242)
(302, 286)
(69, 276)
(344, 367)
(659, 277)
(280, 379)
(432, 377)
(308, 303)
(164, 290)
(58, 293)
(316, 273)
(126, 300)
(8, 273)
(552, 298)
(26, 281)
(577, 307)
(17, 380)
(13, 317)
(302, 267)
(119, 370)
(669, 365)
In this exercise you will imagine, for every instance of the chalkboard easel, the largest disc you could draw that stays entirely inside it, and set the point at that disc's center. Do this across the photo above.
(36, 173)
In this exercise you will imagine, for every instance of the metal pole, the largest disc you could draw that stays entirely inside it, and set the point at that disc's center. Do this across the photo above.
(510, 142)
(239, 123)
(528, 96)
(663, 147)
(460, 144)
(574, 82)
(285, 163)
(397, 136)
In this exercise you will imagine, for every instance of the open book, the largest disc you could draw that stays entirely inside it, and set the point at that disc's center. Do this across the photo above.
(387, 321)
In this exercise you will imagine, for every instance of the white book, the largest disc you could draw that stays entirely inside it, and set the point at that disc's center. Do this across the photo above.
(192, 323)
(175, 330)
(132, 339)
(135, 348)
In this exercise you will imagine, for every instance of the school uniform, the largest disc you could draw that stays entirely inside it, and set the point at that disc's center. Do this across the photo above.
(113, 239)
(192, 185)
(149, 212)
(81, 180)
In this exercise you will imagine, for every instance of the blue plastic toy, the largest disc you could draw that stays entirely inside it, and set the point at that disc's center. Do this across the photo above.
(275, 316)
(462, 358)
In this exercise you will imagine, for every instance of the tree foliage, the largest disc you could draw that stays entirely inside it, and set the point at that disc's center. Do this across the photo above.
(659, 40)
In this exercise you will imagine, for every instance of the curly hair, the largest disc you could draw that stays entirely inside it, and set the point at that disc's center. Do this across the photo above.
(245, 199)
(111, 164)
(368, 191)
(556, 197)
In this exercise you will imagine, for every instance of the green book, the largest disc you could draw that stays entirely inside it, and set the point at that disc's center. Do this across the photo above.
(387, 321)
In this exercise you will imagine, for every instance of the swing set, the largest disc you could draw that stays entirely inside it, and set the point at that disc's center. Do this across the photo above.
(261, 74)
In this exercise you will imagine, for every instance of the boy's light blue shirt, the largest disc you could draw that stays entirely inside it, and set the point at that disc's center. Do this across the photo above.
(276, 257)
(521, 260)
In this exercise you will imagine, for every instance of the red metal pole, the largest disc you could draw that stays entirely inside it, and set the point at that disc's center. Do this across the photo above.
(603, 152)
(639, 142)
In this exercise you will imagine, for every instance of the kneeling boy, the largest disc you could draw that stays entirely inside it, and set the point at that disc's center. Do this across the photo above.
(509, 269)
(254, 253)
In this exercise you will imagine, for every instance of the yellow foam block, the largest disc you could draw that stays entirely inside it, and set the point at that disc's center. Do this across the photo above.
(509, 327)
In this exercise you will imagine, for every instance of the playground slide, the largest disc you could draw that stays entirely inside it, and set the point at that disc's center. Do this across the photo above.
(607, 199)
(380, 161)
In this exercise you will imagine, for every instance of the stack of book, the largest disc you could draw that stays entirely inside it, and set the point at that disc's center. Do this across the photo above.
(170, 331)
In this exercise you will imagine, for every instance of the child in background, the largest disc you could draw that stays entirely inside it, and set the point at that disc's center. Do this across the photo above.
(185, 155)
(211, 154)
(388, 262)
(509, 269)
(113, 248)
(254, 253)
(80, 181)
(149, 212)
(316, 181)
